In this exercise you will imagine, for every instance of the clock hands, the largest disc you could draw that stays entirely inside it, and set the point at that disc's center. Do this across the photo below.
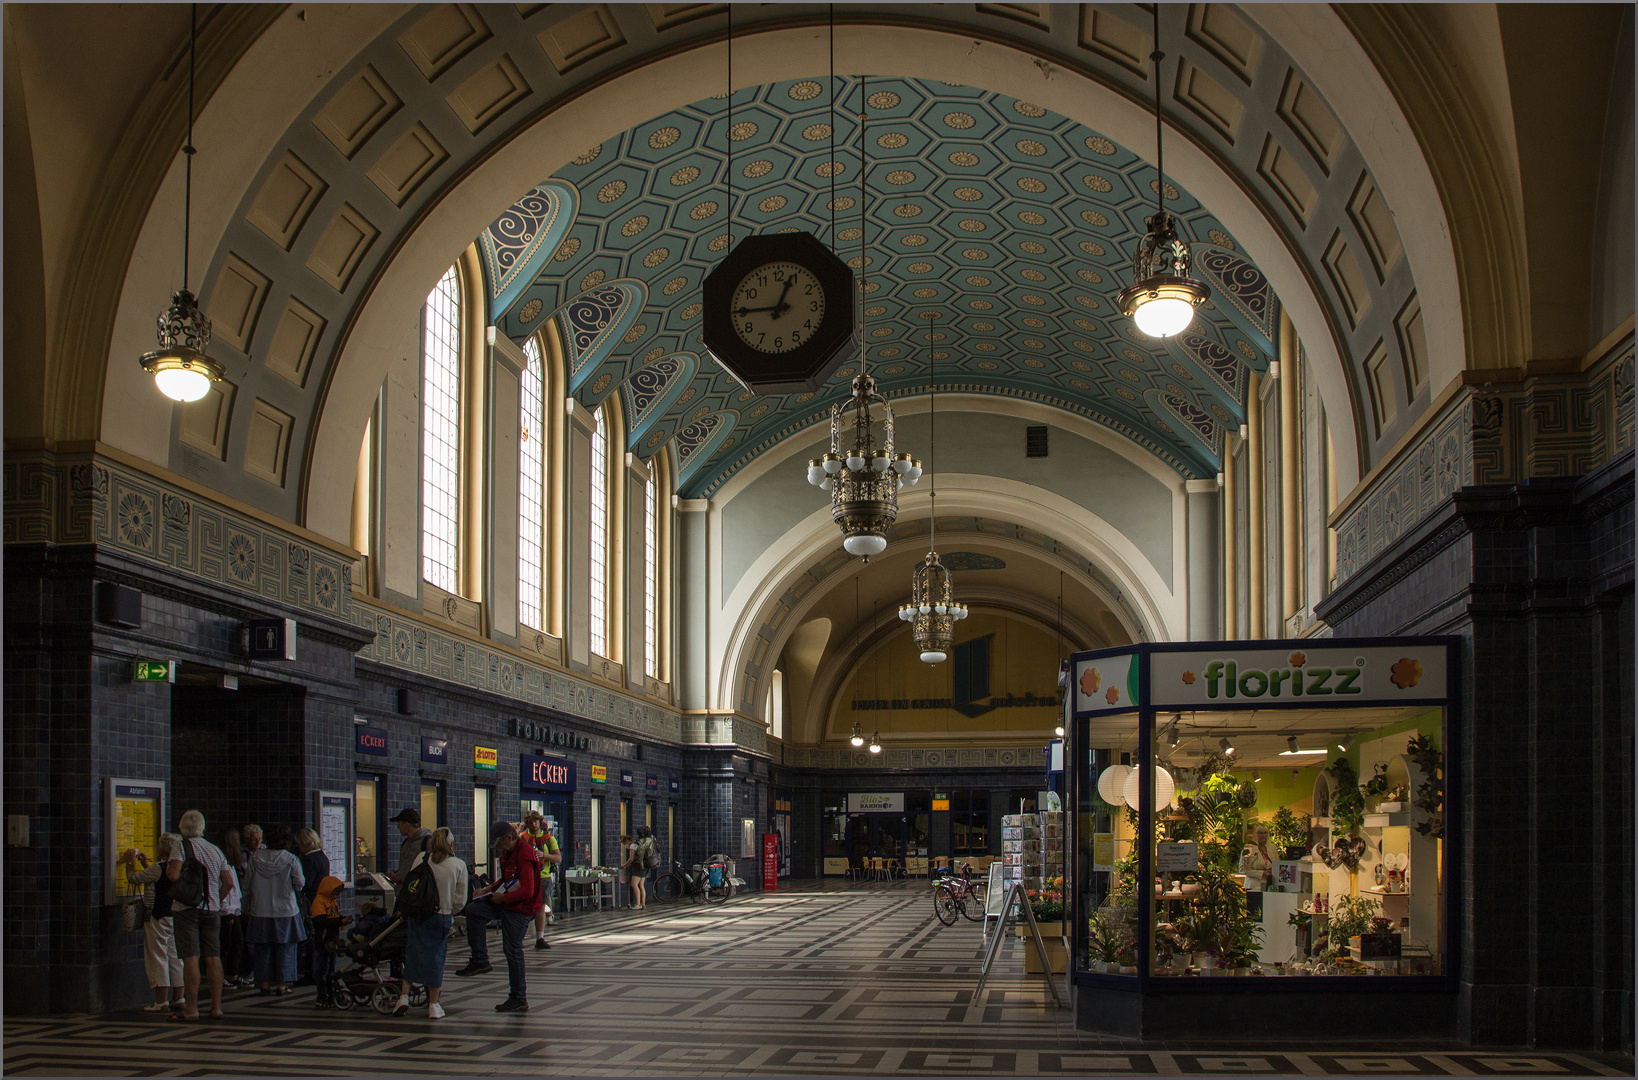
(778, 307)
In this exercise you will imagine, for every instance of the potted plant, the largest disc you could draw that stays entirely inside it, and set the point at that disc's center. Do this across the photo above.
(1290, 832)
(1047, 905)
(1102, 942)
(1350, 917)
(1430, 793)
(1347, 804)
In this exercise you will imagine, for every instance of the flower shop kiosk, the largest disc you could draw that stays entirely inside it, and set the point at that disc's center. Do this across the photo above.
(1261, 838)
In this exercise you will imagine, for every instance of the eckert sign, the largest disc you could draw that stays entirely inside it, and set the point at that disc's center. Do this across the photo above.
(536, 773)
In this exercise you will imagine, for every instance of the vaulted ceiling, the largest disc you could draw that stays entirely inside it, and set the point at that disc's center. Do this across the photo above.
(992, 234)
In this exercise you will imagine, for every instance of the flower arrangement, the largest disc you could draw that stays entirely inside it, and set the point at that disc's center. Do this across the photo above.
(1047, 903)
(1380, 925)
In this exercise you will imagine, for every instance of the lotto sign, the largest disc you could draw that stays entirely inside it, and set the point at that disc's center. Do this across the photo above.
(485, 757)
(600, 774)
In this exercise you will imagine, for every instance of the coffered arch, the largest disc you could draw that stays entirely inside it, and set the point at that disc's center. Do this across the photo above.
(1077, 61)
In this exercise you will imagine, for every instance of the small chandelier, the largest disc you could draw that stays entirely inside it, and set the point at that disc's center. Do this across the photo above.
(931, 613)
(864, 482)
(1163, 295)
(179, 366)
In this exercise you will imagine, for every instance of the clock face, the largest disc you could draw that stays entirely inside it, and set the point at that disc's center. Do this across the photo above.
(778, 307)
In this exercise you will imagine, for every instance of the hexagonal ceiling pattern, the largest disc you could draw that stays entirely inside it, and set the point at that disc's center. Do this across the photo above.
(993, 236)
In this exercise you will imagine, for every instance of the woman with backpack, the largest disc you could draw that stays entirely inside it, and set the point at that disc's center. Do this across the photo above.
(273, 910)
(429, 931)
(158, 944)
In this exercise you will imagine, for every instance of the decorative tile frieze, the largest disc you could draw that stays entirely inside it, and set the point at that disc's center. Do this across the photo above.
(89, 498)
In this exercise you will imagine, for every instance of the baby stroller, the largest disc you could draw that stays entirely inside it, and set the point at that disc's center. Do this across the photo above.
(375, 939)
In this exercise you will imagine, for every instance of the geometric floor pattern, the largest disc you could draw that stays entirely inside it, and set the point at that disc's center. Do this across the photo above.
(822, 979)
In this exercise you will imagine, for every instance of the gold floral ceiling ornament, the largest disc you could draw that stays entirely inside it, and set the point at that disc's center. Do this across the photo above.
(1163, 295)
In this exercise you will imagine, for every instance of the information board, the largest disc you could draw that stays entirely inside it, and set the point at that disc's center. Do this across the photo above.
(1177, 857)
(134, 817)
(333, 819)
(835, 866)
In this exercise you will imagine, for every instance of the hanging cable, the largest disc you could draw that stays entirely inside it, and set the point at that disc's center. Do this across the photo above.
(1160, 149)
(864, 282)
(729, 152)
(187, 146)
(833, 166)
(932, 434)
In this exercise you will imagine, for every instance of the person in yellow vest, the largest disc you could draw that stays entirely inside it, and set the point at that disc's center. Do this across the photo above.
(533, 828)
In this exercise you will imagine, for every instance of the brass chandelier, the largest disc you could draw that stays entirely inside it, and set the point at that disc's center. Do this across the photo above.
(865, 479)
(179, 366)
(932, 613)
(1163, 294)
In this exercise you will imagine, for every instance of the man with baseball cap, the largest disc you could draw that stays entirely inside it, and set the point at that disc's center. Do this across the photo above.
(415, 841)
(513, 902)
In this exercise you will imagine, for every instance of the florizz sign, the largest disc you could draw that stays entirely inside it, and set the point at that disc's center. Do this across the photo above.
(1372, 673)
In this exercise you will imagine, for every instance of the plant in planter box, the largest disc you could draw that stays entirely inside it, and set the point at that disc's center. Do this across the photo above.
(1350, 917)
(1290, 832)
(1102, 936)
(1047, 903)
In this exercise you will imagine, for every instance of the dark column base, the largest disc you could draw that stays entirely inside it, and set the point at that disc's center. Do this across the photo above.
(1271, 1013)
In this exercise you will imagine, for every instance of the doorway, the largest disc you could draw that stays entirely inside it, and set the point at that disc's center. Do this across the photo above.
(877, 836)
(558, 811)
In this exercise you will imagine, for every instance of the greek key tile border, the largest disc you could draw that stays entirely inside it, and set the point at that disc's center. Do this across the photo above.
(420, 648)
(1501, 433)
(91, 499)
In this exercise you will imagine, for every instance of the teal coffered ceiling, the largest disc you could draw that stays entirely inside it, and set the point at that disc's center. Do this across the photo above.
(995, 235)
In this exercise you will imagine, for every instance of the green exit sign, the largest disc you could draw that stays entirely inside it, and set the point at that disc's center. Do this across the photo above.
(154, 671)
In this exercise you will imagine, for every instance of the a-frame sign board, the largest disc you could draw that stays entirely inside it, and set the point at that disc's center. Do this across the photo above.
(1017, 901)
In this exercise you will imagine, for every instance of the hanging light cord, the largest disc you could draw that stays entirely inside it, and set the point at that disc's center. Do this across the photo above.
(730, 144)
(1160, 149)
(187, 146)
(932, 436)
(864, 349)
(832, 165)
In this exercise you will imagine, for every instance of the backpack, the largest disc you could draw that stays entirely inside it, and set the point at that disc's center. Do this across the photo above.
(324, 905)
(189, 887)
(648, 853)
(418, 896)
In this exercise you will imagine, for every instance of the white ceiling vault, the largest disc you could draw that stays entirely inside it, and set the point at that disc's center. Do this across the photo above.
(425, 135)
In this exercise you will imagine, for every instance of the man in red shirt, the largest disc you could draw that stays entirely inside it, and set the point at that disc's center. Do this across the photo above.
(512, 902)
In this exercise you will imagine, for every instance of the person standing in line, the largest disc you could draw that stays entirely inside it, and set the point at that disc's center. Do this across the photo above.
(198, 927)
(533, 829)
(414, 843)
(428, 942)
(159, 957)
(251, 836)
(315, 867)
(273, 897)
(512, 903)
(234, 974)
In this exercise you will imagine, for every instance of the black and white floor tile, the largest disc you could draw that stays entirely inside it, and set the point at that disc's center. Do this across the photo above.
(821, 980)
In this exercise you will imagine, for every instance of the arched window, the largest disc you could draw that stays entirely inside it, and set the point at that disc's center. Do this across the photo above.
(651, 578)
(600, 534)
(441, 435)
(532, 489)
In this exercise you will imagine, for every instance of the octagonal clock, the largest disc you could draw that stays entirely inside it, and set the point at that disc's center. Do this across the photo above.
(779, 312)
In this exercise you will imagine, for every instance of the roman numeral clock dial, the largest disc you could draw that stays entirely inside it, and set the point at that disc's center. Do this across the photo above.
(778, 312)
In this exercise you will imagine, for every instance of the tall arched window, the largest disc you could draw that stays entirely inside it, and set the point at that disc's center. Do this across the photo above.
(651, 578)
(441, 435)
(600, 534)
(531, 489)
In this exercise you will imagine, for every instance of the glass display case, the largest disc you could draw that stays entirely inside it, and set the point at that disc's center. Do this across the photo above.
(1249, 814)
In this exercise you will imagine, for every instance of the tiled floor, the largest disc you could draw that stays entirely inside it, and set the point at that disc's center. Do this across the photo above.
(819, 980)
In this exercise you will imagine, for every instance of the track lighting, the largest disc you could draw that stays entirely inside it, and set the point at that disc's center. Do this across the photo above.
(1226, 746)
(1346, 743)
(1256, 777)
(1293, 748)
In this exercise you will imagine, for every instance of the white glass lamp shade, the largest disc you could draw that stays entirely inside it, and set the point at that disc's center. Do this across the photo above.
(925, 609)
(855, 462)
(939, 608)
(1112, 783)
(913, 473)
(816, 472)
(933, 656)
(875, 744)
(879, 464)
(901, 462)
(182, 384)
(1163, 316)
(1164, 788)
(1058, 731)
(827, 484)
(832, 463)
(864, 545)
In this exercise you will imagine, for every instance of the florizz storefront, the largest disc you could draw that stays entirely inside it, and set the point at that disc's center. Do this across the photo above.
(1262, 837)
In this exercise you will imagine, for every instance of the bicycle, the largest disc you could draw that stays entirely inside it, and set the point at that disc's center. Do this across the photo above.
(957, 896)
(694, 883)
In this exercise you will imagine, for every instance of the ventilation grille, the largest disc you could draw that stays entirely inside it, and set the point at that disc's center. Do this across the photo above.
(1035, 441)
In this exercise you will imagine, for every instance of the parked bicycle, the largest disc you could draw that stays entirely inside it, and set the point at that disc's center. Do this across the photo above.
(957, 896)
(709, 881)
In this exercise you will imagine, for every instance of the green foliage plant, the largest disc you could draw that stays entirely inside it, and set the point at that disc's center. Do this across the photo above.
(1347, 804)
(1430, 793)
(1288, 828)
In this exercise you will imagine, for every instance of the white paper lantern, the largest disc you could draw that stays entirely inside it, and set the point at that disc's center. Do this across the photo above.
(1164, 789)
(1111, 782)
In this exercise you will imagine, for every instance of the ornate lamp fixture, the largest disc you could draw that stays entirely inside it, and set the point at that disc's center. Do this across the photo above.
(864, 481)
(931, 612)
(875, 744)
(857, 738)
(1162, 296)
(179, 366)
